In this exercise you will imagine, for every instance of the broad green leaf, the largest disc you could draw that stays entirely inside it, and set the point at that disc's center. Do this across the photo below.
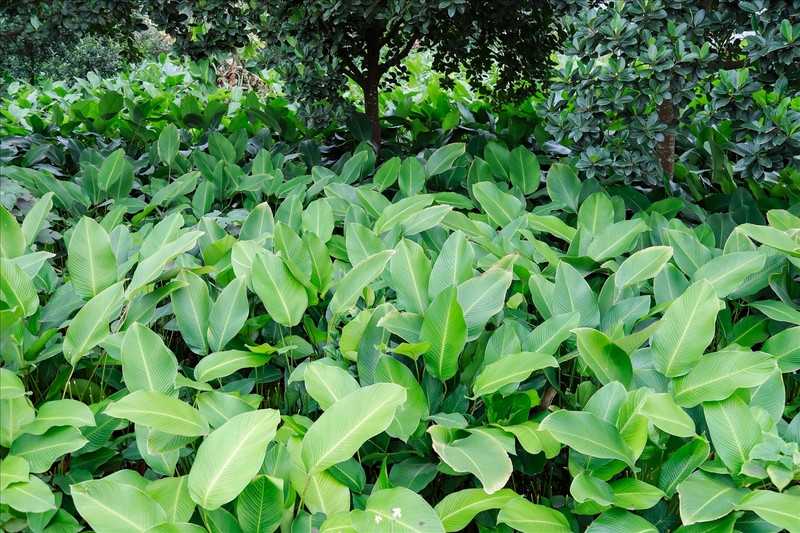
(283, 296)
(408, 415)
(785, 346)
(615, 240)
(41, 451)
(328, 384)
(168, 144)
(688, 329)
(159, 411)
(734, 431)
(596, 213)
(705, 497)
(563, 186)
(353, 283)
(410, 271)
(111, 507)
(478, 454)
(91, 262)
(533, 440)
(442, 159)
(151, 267)
(12, 241)
(681, 464)
(458, 509)
(548, 336)
(387, 174)
(608, 361)
(31, 496)
(619, 521)
(642, 265)
(717, 376)
(687, 251)
(778, 310)
(528, 517)
(230, 456)
(453, 266)
(259, 223)
(221, 148)
(776, 508)
(11, 386)
(90, 326)
(349, 423)
(318, 219)
(585, 488)
(13, 469)
(727, 272)
(510, 369)
(573, 294)
(147, 364)
(111, 169)
(445, 328)
(259, 508)
(588, 434)
(17, 289)
(483, 297)
(397, 510)
(523, 169)
(662, 411)
(323, 492)
(34, 221)
(428, 218)
(14, 414)
(401, 211)
(228, 314)
(219, 407)
(289, 246)
(630, 493)
(192, 306)
(172, 494)
(56, 413)
(501, 207)
(221, 364)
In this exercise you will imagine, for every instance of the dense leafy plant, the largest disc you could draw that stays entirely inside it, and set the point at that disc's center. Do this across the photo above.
(717, 78)
(202, 321)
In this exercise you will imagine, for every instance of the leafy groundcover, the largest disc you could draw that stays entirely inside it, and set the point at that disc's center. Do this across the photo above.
(198, 337)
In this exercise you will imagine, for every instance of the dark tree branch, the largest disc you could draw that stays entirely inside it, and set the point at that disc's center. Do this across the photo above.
(351, 70)
(395, 60)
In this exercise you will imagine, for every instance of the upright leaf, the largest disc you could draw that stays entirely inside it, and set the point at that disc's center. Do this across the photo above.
(445, 328)
(91, 261)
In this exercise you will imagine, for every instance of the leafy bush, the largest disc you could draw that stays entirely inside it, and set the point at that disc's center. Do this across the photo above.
(202, 320)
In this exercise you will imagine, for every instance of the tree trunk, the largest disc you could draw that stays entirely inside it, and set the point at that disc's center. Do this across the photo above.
(372, 79)
(666, 148)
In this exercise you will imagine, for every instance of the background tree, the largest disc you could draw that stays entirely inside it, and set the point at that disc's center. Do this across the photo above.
(316, 44)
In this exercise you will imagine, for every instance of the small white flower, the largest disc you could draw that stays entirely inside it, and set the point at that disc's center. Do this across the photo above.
(396, 512)
(378, 519)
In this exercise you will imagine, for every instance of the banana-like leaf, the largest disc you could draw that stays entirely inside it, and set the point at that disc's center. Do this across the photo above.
(228, 314)
(511, 369)
(282, 294)
(528, 517)
(445, 328)
(159, 411)
(353, 283)
(90, 326)
(147, 364)
(112, 507)
(91, 261)
(642, 265)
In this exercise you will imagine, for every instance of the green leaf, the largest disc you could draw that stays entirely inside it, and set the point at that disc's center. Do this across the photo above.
(192, 306)
(734, 431)
(318, 219)
(727, 272)
(12, 241)
(608, 361)
(328, 384)
(478, 454)
(111, 507)
(778, 509)
(41, 451)
(228, 314)
(221, 148)
(172, 494)
(705, 497)
(619, 521)
(572, 293)
(785, 346)
(688, 329)
(111, 169)
(588, 434)
(717, 376)
(445, 328)
(90, 326)
(483, 297)
(147, 364)
(91, 261)
(31, 496)
(596, 213)
(411, 178)
(456, 510)
(563, 186)
(14, 413)
(222, 364)
(397, 510)
(56, 413)
(442, 159)
(630, 493)
(168, 144)
(36, 217)
(229, 458)
(528, 517)
(585, 488)
(681, 464)
(410, 271)
(523, 169)
(615, 240)
(510, 369)
(13, 469)
(642, 265)
(259, 508)
(408, 415)
(401, 211)
(151, 268)
(161, 412)
(17, 289)
(324, 493)
(453, 266)
(353, 283)
(283, 296)
(501, 207)
(386, 174)
(779, 311)
(349, 423)
(662, 411)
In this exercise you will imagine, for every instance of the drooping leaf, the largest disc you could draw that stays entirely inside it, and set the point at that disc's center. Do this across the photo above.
(157, 410)
(528, 517)
(587, 434)
(458, 509)
(511, 369)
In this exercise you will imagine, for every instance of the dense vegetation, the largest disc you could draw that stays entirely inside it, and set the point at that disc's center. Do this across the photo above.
(216, 315)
